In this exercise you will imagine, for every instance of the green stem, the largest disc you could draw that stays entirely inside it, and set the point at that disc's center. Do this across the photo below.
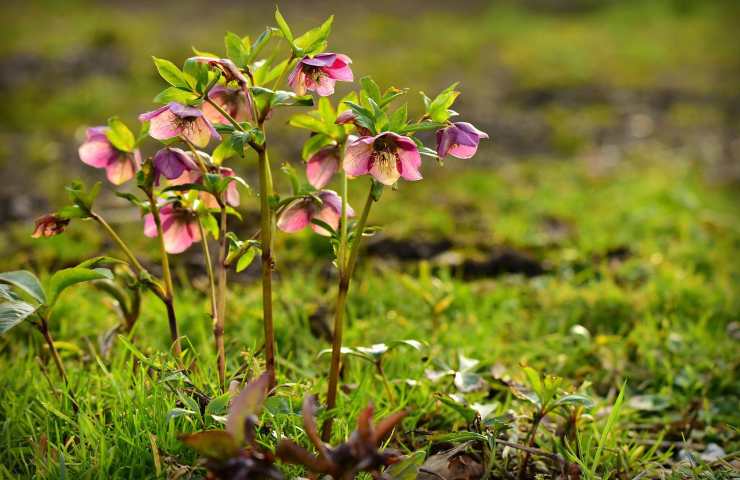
(267, 262)
(43, 327)
(279, 80)
(225, 114)
(221, 278)
(218, 333)
(169, 298)
(345, 275)
(121, 244)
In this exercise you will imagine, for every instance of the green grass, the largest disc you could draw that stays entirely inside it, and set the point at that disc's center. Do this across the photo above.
(657, 320)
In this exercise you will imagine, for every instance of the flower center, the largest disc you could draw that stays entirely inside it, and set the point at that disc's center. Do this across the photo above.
(386, 160)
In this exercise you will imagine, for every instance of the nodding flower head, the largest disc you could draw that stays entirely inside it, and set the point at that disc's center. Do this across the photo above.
(386, 156)
(171, 163)
(348, 117)
(49, 225)
(322, 166)
(459, 140)
(325, 205)
(179, 227)
(97, 151)
(232, 100)
(227, 67)
(319, 73)
(177, 120)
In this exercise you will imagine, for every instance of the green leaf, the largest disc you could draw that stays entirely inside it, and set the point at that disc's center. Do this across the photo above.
(283, 26)
(260, 43)
(173, 75)
(246, 259)
(371, 88)
(314, 144)
(174, 94)
(223, 151)
(398, 118)
(237, 49)
(574, 399)
(210, 224)
(311, 41)
(96, 262)
(71, 211)
(407, 468)
(437, 108)
(13, 313)
(119, 135)
(377, 190)
(309, 122)
(284, 98)
(27, 282)
(534, 380)
(133, 199)
(63, 279)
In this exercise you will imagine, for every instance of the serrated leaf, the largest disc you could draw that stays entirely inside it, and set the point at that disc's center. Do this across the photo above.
(237, 49)
(13, 313)
(63, 279)
(27, 282)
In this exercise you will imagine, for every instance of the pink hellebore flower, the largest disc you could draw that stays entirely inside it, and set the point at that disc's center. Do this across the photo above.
(459, 140)
(320, 73)
(179, 228)
(232, 100)
(172, 163)
(299, 213)
(177, 120)
(98, 152)
(386, 156)
(322, 166)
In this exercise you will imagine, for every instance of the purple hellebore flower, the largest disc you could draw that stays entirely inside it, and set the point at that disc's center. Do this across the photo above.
(172, 162)
(320, 73)
(232, 100)
(179, 228)
(322, 166)
(177, 120)
(98, 152)
(459, 140)
(386, 156)
(299, 213)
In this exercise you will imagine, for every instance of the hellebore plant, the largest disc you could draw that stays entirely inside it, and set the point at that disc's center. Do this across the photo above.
(234, 453)
(365, 138)
(361, 453)
(224, 102)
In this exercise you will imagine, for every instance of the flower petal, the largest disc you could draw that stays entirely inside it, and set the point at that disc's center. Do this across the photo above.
(324, 87)
(296, 216)
(329, 215)
(97, 153)
(357, 156)
(199, 132)
(164, 125)
(178, 237)
(121, 170)
(150, 228)
(385, 171)
(322, 166)
(340, 69)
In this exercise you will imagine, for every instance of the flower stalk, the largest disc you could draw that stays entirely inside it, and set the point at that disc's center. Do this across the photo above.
(169, 297)
(346, 262)
(268, 262)
(221, 278)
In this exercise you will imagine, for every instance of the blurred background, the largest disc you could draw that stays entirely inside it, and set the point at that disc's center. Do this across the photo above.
(580, 98)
